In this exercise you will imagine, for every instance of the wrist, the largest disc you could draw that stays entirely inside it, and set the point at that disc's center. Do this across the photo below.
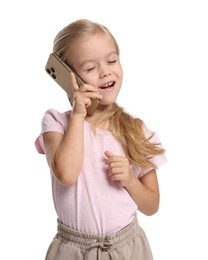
(76, 122)
(128, 184)
(77, 116)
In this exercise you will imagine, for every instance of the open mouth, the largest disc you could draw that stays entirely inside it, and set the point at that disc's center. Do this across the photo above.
(107, 85)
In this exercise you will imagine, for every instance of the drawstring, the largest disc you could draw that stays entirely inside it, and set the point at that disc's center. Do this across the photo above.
(98, 247)
(102, 246)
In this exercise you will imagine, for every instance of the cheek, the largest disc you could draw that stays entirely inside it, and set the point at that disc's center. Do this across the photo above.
(89, 78)
(119, 72)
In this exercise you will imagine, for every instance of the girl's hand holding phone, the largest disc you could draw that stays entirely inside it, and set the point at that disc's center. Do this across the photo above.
(83, 97)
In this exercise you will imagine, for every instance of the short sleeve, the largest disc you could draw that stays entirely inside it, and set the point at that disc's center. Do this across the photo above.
(52, 121)
(156, 160)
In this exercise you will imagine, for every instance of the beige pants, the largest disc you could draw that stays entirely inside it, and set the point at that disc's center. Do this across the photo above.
(128, 244)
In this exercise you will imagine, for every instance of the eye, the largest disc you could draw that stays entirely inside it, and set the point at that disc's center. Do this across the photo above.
(90, 69)
(112, 61)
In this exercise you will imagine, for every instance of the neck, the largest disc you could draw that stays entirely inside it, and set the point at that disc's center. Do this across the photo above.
(99, 118)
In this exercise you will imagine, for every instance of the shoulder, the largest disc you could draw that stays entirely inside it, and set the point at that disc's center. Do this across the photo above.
(55, 119)
(56, 115)
(150, 135)
(52, 121)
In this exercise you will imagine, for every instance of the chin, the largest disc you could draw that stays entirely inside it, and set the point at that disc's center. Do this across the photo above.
(107, 103)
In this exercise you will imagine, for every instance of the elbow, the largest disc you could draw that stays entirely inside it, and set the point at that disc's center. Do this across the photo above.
(153, 205)
(65, 177)
(66, 181)
(151, 211)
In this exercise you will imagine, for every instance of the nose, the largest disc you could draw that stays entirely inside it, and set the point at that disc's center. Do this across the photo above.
(104, 71)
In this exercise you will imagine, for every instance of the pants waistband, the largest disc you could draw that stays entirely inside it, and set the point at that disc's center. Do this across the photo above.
(107, 243)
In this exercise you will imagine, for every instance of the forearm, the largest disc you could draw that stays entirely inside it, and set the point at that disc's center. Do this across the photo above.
(69, 156)
(146, 199)
(144, 191)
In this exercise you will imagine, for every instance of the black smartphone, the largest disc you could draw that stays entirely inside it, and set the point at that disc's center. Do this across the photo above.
(60, 72)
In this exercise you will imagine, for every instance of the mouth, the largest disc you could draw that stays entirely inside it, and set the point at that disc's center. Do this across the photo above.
(107, 85)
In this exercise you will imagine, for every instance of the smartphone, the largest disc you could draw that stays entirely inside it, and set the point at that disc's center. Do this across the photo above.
(60, 72)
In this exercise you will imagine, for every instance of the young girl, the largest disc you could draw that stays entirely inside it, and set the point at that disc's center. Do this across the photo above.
(103, 166)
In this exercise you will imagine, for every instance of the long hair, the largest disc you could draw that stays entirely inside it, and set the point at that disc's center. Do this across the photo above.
(128, 130)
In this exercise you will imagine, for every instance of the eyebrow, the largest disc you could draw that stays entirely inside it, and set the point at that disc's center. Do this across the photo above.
(93, 60)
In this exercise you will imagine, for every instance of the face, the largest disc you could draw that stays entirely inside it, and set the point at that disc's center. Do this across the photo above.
(97, 62)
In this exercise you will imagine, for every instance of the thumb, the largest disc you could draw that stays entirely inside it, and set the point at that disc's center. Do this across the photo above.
(108, 154)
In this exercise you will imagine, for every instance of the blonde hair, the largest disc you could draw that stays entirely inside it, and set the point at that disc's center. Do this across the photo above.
(128, 130)
(68, 37)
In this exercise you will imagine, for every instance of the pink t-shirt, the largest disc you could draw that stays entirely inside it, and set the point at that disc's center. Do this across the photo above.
(95, 204)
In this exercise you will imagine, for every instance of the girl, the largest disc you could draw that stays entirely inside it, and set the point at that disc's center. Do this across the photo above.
(103, 166)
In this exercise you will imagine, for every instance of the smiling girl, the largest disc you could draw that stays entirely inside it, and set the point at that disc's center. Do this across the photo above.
(103, 166)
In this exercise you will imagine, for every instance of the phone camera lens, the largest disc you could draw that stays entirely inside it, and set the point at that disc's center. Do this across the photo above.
(48, 71)
(53, 76)
(53, 70)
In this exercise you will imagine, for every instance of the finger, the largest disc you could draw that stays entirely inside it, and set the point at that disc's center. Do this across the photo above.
(108, 154)
(116, 164)
(114, 171)
(116, 177)
(114, 161)
(90, 94)
(82, 101)
(74, 81)
(88, 88)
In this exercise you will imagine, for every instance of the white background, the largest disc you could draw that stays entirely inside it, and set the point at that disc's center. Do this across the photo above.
(164, 52)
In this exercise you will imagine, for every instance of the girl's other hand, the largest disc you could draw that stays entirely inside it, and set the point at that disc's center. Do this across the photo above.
(119, 168)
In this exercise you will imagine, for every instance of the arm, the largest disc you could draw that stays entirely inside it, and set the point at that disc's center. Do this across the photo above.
(144, 191)
(65, 153)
